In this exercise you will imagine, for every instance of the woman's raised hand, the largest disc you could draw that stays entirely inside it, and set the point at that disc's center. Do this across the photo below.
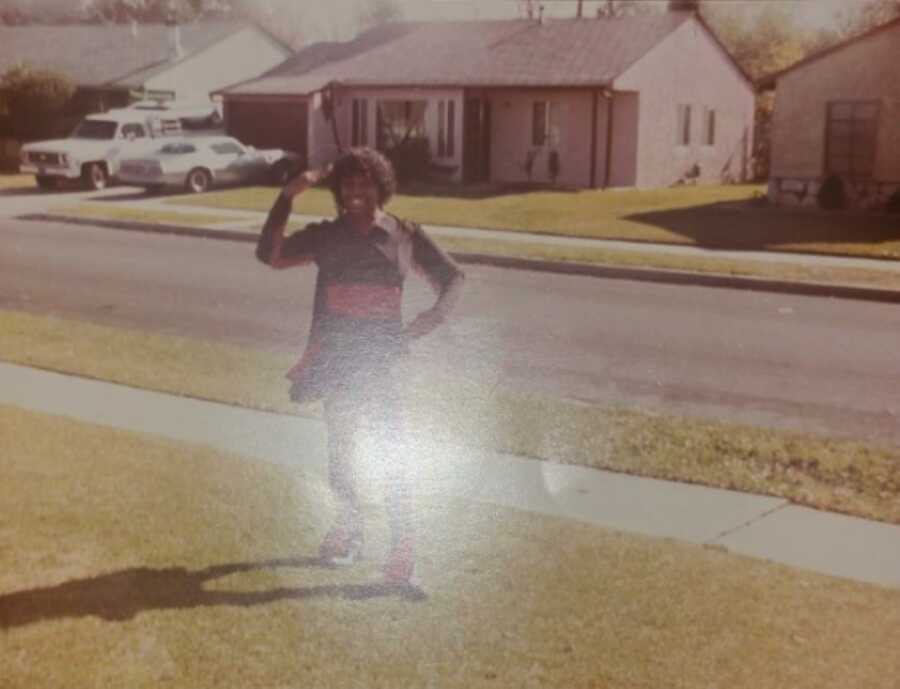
(302, 182)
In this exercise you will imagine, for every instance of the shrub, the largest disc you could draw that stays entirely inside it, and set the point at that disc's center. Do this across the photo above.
(32, 101)
(893, 203)
(831, 194)
(411, 159)
(553, 165)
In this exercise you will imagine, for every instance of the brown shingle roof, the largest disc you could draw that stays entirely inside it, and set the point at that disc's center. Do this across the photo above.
(100, 55)
(483, 53)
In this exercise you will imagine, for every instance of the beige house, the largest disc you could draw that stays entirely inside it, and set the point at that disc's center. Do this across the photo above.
(838, 113)
(640, 101)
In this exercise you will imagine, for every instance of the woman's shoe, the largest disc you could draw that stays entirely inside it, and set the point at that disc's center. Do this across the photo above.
(342, 545)
(400, 566)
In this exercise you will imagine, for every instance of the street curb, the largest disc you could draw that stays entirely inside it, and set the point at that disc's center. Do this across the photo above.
(653, 275)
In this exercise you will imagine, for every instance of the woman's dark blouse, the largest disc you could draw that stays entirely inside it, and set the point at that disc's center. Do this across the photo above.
(357, 321)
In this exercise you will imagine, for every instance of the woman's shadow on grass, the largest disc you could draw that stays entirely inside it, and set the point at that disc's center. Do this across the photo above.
(122, 595)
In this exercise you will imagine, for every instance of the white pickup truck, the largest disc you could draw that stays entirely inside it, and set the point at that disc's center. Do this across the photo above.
(92, 151)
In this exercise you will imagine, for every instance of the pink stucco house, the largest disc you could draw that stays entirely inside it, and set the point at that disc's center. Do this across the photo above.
(641, 101)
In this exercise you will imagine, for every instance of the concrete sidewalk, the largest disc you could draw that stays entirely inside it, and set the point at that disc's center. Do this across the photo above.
(756, 526)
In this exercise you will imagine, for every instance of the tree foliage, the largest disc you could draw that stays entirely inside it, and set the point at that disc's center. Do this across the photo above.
(31, 101)
(872, 13)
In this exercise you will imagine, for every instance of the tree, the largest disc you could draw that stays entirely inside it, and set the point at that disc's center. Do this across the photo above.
(684, 6)
(377, 12)
(873, 13)
(619, 8)
(31, 101)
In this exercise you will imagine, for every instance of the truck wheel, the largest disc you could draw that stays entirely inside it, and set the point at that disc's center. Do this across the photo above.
(198, 180)
(46, 182)
(94, 176)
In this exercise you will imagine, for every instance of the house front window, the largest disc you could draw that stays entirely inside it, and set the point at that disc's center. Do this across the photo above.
(709, 127)
(399, 121)
(684, 125)
(446, 129)
(545, 129)
(850, 138)
(360, 129)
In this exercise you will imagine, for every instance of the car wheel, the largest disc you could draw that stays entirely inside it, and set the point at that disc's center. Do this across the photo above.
(94, 176)
(46, 182)
(280, 173)
(198, 180)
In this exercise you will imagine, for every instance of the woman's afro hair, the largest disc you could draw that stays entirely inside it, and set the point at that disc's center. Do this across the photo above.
(365, 161)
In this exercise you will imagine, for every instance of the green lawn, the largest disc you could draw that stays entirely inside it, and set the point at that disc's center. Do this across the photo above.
(723, 217)
(852, 477)
(135, 561)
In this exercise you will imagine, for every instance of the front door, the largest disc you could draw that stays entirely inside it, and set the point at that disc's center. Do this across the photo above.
(477, 140)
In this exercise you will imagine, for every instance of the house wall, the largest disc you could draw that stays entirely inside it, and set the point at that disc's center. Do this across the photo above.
(512, 113)
(322, 145)
(859, 71)
(239, 57)
(625, 138)
(689, 67)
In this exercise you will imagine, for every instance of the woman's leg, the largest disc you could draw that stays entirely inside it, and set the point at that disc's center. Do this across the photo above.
(344, 540)
(387, 428)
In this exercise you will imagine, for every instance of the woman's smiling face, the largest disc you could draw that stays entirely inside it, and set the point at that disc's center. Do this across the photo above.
(359, 195)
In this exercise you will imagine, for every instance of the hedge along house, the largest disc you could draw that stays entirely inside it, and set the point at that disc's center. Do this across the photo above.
(837, 113)
(113, 64)
(636, 101)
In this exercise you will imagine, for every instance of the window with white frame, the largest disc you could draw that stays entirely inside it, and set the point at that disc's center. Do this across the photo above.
(360, 129)
(709, 127)
(545, 124)
(446, 128)
(684, 125)
(851, 137)
(400, 121)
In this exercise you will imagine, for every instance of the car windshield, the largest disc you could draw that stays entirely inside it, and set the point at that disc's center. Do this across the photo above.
(177, 149)
(95, 129)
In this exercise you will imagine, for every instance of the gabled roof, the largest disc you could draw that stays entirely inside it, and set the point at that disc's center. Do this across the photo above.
(585, 52)
(768, 82)
(107, 54)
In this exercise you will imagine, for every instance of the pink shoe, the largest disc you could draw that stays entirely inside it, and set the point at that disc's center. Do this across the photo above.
(400, 566)
(342, 545)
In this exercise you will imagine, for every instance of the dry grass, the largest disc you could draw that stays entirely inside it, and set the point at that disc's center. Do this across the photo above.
(863, 277)
(16, 181)
(129, 214)
(837, 475)
(138, 562)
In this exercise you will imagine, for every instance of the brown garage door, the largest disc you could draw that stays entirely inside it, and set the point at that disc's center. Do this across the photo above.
(269, 125)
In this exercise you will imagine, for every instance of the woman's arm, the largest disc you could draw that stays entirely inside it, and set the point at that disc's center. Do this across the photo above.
(428, 320)
(445, 277)
(273, 249)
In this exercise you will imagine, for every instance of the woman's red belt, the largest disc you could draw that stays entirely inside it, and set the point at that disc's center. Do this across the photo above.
(364, 300)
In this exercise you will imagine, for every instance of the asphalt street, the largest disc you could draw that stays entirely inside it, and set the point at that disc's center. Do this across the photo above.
(805, 363)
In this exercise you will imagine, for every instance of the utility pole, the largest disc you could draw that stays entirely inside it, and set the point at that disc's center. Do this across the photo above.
(578, 14)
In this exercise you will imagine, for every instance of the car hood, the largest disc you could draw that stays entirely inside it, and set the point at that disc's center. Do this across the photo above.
(72, 146)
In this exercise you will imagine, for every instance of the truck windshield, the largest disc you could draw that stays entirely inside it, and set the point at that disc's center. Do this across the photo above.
(95, 129)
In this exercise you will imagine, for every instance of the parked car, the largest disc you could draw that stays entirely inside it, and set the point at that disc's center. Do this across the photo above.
(197, 163)
(92, 152)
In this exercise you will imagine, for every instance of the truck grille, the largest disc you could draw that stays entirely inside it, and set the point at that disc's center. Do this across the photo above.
(40, 158)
